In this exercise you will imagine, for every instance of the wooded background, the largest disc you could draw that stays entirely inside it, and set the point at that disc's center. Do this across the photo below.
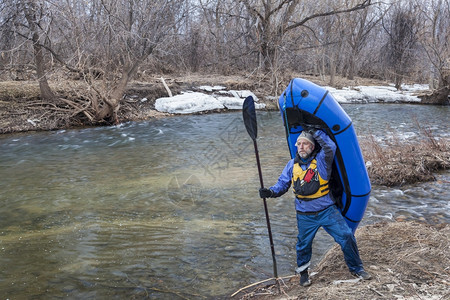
(108, 43)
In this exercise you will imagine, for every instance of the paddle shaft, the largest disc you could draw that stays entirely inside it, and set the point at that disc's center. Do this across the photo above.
(249, 115)
(272, 248)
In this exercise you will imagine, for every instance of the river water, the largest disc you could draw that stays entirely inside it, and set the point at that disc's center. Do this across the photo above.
(169, 209)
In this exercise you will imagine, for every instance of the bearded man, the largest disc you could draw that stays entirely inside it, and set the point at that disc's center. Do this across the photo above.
(309, 173)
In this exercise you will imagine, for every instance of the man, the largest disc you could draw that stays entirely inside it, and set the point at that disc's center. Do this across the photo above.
(309, 173)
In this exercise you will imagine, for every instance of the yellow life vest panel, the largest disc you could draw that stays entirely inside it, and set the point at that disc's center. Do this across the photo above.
(308, 184)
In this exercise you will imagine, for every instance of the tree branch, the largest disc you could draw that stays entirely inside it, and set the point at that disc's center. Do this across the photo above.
(363, 5)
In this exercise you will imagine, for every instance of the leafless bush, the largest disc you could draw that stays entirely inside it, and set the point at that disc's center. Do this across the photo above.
(397, 162)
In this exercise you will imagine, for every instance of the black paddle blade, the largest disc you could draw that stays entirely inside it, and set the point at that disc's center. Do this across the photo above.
(249, 115)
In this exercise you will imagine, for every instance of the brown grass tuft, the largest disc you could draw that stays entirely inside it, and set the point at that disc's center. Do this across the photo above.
(407, 260)
(398, 162)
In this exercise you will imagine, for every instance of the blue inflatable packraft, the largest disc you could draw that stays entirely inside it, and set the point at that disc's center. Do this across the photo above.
(304, 105)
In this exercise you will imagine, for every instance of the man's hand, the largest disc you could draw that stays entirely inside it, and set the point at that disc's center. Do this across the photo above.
(265, 193)
(312, 131)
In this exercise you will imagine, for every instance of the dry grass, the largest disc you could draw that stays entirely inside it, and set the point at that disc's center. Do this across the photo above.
(11, 90)
(397, 162)
(408, 260)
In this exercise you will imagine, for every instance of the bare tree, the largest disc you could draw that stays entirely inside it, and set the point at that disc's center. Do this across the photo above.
(132, 30)
(402, 29)
(34, 14)
(229, 34)
(359, 24)
(30, 21)
(106, 38)
(328, 38)
(435, 38)
(276, 18)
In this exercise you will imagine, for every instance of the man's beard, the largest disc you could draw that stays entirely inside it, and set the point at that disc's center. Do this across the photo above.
(305, 154)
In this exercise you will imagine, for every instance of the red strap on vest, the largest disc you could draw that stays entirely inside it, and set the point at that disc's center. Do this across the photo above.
(309, 175)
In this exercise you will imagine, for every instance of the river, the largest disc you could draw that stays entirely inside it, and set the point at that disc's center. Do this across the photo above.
(169, 209)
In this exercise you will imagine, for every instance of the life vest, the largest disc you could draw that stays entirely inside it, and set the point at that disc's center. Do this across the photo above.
(308, 184)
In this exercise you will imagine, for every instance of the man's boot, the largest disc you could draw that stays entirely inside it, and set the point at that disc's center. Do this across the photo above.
(304, 278)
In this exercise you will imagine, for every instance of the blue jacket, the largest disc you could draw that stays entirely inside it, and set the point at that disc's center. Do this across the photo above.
(324, 164)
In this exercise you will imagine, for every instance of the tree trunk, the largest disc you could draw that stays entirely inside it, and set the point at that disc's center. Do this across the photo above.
(438, 97)
(441, 95)
(332, 71)
(398, 81)
(109, 111)
(352, 66)
(46, 91)
(268, 52)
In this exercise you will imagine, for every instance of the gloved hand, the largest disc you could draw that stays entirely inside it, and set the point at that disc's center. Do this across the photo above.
(265, 193)
(312, 131)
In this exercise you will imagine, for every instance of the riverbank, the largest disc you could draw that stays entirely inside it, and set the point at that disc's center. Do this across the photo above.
(21, 108)
(408, 260)
(391, 163)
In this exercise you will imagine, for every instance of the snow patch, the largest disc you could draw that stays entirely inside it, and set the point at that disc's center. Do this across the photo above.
(375, 94)
(211, 88)
(220, 98)
(191, 102)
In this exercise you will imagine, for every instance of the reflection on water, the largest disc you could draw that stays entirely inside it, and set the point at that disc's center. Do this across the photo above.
(169, 208)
